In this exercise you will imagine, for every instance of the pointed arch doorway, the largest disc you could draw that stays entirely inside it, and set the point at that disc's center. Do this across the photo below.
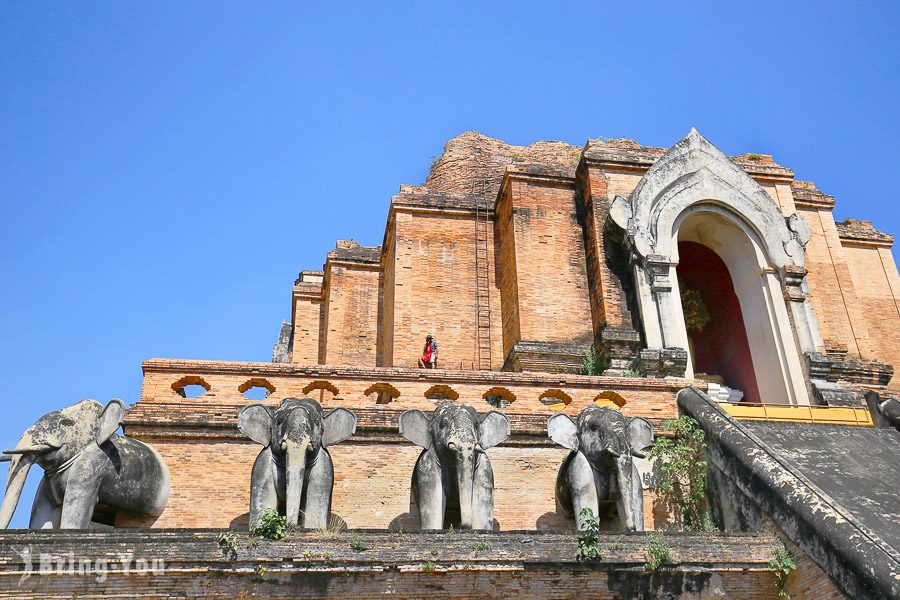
(694, 193)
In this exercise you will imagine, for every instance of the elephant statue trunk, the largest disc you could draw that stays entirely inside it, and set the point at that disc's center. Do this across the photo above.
(295, 471)
(625, 476)
(465, 476)
(20, 460)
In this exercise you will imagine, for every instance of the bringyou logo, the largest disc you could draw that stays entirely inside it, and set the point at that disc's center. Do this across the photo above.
(99, 568)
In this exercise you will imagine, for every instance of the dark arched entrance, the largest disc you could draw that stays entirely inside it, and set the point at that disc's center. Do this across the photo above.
(715, 324)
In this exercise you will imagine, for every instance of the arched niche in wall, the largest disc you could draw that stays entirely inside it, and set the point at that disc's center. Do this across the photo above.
(191, 386)
(694, 193)
(608, 398)
(385, 392)
(436, 393)
(256, 388)
(499, 397)
(320, 390)
(555, 399)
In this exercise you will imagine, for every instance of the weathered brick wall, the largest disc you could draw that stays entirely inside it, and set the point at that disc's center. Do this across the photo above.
(609, 305)
(371, 489)
(508, 275)
(878, 296)
(385, 349)
(551, 272)
(809, 581)
(430, 288)
(306, 318)
(832, 290)
(401, 565)
(351, 301)
(208, 458)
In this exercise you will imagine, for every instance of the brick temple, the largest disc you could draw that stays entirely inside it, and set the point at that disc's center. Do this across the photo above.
(714, 286)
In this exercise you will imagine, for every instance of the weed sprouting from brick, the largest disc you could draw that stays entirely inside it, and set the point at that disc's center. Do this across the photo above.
(357, 544)
(682, 472)
(228, 541)
(271, 526)
(782, 564)
(588, 538)
(657, 551)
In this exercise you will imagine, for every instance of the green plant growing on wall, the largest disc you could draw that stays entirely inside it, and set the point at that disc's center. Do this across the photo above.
(633, 373)
(682, 470)
(271, 526)
(357, 544)
(428, 566)
(593, 362)
(588, 538)
(481, 546)
(782, 564)
(657, 551)
(228, 541)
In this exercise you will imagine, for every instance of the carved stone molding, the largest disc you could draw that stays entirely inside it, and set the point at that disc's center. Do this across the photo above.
(621, 346)
(847, 368)
(663, 362)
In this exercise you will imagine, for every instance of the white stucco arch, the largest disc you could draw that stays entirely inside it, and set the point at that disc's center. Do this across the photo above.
(695, 190)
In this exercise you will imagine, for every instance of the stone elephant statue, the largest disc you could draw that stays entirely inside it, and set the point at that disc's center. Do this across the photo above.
(600, 466)
(453, 481)
(885, 413)
(293, 473)
(86, 466)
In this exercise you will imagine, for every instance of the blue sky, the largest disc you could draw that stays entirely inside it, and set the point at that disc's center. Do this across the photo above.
(167, 168)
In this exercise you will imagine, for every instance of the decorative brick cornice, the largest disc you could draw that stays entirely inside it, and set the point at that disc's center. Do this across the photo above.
(806, 195)
(349, 252)
(542, 174)
(489, 378)
(197, 419)
(856, 232)
(308, 291)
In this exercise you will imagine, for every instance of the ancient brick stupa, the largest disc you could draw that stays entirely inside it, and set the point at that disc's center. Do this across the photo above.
(646, 282)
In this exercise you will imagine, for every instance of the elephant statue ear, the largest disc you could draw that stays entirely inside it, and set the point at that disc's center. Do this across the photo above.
(109, 420)
(493, 429)
(255, 421)
(562, 430)
(640, 435)
(337, 426)
(415, 426)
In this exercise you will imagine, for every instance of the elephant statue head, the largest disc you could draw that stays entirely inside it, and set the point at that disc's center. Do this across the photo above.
(86, 465)
(600, 466)
(890, 410)
(453, 473)
(885, 413)
(293, 473)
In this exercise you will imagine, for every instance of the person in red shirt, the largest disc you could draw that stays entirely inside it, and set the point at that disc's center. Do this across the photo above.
(428, 360)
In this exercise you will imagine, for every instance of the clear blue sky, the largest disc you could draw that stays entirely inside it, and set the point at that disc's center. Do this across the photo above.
(166, 168)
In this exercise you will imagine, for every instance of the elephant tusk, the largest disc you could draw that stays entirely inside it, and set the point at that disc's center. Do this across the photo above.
(479, 449)
(638, 454)
(5, 458)
(38, 449)
(613, 453)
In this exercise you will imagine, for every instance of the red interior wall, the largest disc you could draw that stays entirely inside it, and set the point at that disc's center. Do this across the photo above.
(722, 348)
